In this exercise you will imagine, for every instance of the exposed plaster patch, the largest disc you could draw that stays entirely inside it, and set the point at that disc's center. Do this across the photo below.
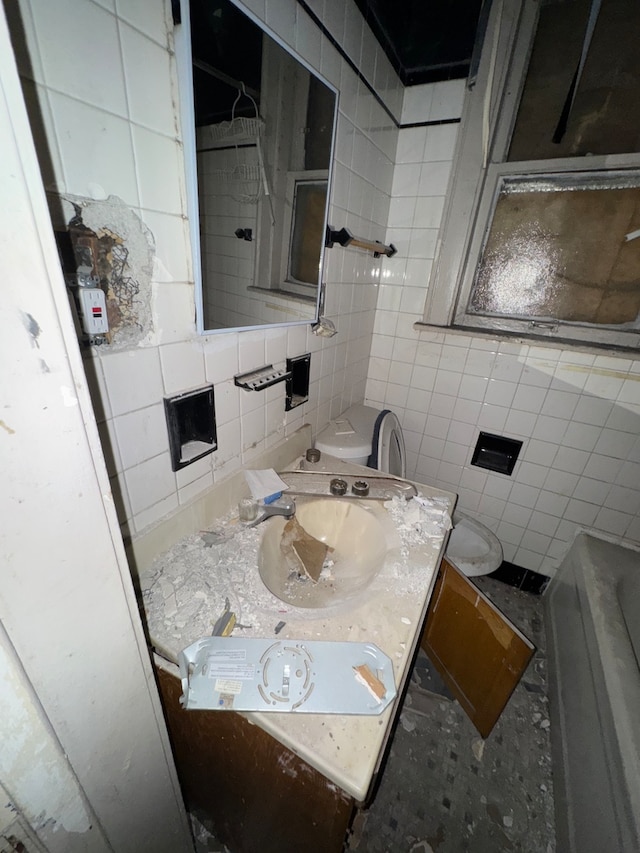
(124, 251)
(7, 428)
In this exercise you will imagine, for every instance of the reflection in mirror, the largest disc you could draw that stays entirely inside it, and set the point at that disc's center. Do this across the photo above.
(259, 130)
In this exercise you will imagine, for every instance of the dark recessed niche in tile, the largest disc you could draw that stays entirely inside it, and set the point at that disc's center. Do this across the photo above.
(191, 422)
(298, 382)
(496, 453)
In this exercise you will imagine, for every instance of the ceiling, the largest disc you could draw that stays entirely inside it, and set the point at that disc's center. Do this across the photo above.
(425, 42)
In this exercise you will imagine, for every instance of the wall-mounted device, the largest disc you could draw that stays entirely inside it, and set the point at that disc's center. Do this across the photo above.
(78, 255)
(93, 310)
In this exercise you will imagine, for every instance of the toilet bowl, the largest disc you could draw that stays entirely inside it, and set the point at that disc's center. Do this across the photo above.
(367, 436)
(472, 547)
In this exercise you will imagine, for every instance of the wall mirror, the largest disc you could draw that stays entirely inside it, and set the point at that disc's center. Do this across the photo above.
(259, 129)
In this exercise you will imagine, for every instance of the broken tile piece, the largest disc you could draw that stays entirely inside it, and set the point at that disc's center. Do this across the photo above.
(477, 747)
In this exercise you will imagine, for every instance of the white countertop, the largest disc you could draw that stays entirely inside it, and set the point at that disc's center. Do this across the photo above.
(184, 592)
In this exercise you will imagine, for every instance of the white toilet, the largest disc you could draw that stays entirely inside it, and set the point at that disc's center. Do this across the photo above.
(366, 436)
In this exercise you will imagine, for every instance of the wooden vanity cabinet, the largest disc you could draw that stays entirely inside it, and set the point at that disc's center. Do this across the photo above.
(259, 796)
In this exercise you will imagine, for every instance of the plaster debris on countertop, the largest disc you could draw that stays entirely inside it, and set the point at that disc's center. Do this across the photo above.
(419, 520)
(187, 587)
(420, 523)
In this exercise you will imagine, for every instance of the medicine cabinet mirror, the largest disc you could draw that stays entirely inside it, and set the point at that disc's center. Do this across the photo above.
(258, 128)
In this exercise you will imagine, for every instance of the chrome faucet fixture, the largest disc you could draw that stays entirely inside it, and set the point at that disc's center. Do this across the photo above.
(282, 506)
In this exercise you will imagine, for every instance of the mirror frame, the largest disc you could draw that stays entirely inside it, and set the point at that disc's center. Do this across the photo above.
(182, 38)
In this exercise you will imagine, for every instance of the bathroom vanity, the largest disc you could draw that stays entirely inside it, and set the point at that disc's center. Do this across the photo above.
(256, 793)
(273, 781)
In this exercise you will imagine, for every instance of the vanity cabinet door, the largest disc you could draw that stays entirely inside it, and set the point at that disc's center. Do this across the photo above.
(259, 796)
(478, 652)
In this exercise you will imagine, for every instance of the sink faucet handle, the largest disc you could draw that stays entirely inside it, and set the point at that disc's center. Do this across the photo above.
(284, 506)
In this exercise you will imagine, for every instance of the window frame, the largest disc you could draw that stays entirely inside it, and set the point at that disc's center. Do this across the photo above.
(487, 123)
(290, 284)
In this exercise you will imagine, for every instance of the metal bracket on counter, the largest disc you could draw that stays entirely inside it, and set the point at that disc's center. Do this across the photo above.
(345, 238)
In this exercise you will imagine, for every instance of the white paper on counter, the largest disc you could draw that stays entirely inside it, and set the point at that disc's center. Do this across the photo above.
(264, 483)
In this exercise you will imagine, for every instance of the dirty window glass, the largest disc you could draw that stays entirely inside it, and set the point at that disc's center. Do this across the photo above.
(309, 203)
(563, 247)
(580, 96)
(542, 230)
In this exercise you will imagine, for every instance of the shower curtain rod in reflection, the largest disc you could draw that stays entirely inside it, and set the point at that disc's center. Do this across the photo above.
(345, 238)
(225, 78)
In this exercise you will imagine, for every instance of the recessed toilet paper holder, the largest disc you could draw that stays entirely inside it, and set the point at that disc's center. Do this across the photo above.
(496, 453)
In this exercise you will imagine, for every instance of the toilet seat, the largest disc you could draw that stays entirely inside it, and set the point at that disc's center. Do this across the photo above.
(387, 445)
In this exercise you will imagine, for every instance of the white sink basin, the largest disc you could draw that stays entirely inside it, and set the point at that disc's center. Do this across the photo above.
(356, 533)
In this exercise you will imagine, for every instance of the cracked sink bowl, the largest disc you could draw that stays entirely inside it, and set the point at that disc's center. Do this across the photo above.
(358, 541)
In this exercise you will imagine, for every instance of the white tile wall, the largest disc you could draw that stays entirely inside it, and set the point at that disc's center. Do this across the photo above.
(574, 471)
(229, 260)
(112, 129)
(577, 414)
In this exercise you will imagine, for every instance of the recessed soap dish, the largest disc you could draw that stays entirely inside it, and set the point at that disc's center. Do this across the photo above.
(191, 424)
(298, 381)
(264, 377)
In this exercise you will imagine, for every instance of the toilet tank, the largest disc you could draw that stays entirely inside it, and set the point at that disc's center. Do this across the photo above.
(363, 419)
(342, 439)
(350, 437)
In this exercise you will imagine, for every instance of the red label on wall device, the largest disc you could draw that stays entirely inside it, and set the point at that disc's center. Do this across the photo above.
(93, 309)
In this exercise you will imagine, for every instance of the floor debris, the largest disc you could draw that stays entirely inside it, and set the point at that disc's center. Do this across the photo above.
(459, 793)
(477, 748)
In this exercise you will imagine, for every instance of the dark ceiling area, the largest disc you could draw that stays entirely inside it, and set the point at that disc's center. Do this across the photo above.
(425, 42)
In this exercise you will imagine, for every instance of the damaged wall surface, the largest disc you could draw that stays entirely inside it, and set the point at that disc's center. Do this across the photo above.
(122, 251)
(109, 141)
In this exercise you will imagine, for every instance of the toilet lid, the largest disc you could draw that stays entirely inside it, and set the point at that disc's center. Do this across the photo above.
(340, 439)
(387, 446)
